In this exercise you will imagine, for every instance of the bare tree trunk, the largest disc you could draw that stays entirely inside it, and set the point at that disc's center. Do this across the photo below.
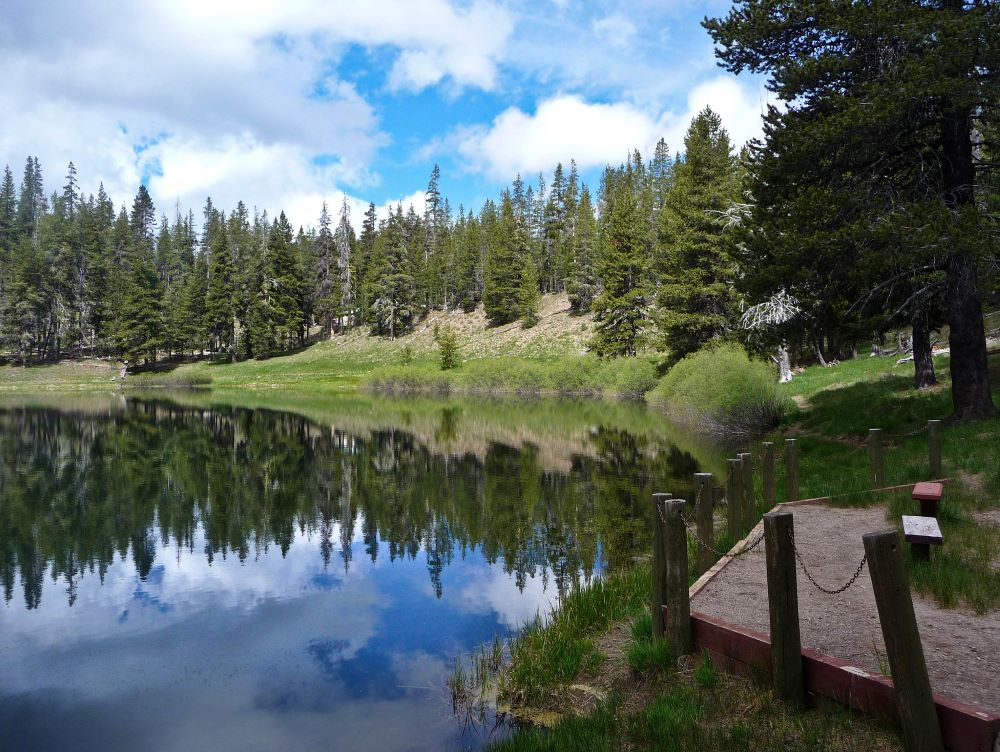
(819, 353)
(784, 367)
(923, 359)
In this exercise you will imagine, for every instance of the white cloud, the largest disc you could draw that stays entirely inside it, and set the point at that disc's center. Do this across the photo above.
(616, 29)
(740, 106)
(562, 128)
(568, 127)
(231, 98)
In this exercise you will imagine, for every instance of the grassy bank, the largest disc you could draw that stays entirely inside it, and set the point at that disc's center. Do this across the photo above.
(579, 375)
(614, 689)
(594, 668)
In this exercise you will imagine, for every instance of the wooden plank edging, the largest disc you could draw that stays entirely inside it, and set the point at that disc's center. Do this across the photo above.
(743, 651)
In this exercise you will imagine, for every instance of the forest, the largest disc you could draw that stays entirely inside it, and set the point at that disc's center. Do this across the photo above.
(84, 278)
(848, 219)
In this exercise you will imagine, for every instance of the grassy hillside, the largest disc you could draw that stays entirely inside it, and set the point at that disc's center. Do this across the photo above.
(337, 364)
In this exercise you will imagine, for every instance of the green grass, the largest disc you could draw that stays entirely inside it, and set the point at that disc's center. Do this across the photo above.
(580, 375)
(71, 375)
(552, 654)
(649, 656)
(728, 715)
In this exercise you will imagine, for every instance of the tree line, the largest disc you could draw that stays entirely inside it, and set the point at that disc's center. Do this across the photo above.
(79, 277)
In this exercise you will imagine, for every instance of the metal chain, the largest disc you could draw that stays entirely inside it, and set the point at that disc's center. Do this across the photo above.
(694, 533)
(854, 577)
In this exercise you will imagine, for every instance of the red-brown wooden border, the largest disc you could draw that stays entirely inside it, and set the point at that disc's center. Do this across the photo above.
(743, 651)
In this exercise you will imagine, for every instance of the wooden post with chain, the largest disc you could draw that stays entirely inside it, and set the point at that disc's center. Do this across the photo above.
(914, 700)
(658, 594)
(704, 495)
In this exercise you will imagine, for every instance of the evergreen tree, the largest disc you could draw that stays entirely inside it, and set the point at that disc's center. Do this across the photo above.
(8, 211)
(501, 282)
(878, 129)
(220, 296)
(623, 265)
(363, 265)
(528, 295)
(193, 328)
(326, 279)
(276, 316)
(31, 203)
(697, 301)
(343, 240)
(391, 289)
(447, 342)
(581, 285)
(139, 326)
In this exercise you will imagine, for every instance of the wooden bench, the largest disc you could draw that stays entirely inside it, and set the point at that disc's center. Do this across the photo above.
(921, 533)
(929, 495)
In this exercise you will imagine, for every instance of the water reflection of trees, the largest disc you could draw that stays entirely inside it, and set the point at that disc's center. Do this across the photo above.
(77, 490)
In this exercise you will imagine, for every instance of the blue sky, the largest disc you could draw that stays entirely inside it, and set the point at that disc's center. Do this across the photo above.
(284, 105)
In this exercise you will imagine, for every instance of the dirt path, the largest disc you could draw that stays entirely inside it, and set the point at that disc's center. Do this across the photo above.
(961, 648)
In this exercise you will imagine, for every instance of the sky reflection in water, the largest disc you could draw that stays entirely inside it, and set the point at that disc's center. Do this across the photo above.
(272, 584)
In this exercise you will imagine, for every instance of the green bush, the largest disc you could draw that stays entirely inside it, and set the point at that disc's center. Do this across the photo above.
(720, 390)
(448, 345)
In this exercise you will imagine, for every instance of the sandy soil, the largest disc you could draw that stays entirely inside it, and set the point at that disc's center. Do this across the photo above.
(960, 647)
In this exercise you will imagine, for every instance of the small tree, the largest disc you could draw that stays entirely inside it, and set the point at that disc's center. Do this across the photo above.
(528, 296)
(447, 342)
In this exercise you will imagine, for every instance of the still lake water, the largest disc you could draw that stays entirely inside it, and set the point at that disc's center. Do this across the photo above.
(200, 573)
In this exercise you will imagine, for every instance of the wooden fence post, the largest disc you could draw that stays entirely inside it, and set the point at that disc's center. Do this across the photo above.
(792, 469)
(934, 447)
(914, 700)
(733, 486)
(704, 494)
(749, 504)
(783, 609)
(877, 457)
(658, 595)
(677, 621)
(767, 474)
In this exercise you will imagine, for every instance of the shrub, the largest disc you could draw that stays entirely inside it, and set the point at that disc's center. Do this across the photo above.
(720, 390)
(448, 346)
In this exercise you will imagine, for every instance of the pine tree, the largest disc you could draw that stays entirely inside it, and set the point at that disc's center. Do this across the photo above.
(878, 129)
(31, 203)
(343, 241)
(528, 296)
(581, 285)
(623, 263)
(447, 342)
(697, 301)
(276, 317)
(326, 281)
(363, 265)
(501, 282)
(391, 289)
(139, 326)
(220, 296)
(193, 295)
(8, 211)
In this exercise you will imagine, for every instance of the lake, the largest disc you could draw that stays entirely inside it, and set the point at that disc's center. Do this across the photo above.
(225, 572)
